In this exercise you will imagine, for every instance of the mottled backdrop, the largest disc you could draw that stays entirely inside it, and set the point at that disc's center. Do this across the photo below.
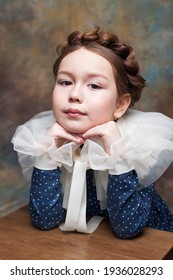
(29, 33)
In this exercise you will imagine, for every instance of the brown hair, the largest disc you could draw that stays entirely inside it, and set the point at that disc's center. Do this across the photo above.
(121, 56)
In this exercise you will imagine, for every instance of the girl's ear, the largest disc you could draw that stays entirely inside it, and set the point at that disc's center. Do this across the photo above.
(122, 105)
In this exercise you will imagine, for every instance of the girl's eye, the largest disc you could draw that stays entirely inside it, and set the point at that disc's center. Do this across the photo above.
(95, 86)
(64, 83)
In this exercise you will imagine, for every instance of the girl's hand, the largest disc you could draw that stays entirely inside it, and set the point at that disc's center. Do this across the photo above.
(108, 132)
(61, 135)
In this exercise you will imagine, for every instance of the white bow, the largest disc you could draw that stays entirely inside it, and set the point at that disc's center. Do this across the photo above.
(76, 208)
(74, 189)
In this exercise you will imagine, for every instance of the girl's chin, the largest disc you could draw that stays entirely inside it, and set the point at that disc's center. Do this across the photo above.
(75, 130)
(80, 132)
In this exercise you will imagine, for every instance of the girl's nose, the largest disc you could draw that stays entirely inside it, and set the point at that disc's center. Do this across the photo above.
(76, 95)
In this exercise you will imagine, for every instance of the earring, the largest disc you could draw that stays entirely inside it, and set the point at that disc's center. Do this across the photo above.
(115, 119)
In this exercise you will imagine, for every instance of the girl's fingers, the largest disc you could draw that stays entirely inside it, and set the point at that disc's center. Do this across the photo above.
(61, 135)
(95, 131)
(108, 132)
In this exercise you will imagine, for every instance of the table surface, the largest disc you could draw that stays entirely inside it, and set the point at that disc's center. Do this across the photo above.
(19, 240)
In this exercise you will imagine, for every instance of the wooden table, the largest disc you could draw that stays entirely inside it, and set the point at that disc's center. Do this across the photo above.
(19, 240)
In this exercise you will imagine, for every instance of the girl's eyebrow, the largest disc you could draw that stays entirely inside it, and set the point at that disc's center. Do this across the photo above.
(97, 75)
(89, 75)
(65, 73)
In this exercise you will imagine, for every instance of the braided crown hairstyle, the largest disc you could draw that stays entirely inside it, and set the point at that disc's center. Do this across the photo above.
(125, 67)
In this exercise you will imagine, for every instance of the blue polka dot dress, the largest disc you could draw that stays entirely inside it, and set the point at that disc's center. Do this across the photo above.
(129, 210)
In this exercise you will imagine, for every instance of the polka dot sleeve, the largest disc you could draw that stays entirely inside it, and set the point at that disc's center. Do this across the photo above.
(46, 199)
(128, 208)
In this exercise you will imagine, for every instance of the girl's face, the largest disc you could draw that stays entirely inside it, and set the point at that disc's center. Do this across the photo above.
(85, 93)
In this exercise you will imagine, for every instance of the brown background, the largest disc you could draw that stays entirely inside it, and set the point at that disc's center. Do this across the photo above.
(29, 34)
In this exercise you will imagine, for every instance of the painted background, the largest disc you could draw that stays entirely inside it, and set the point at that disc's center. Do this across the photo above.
(29, 34)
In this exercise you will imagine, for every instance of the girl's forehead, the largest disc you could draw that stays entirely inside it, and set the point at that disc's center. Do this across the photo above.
(85, 59)
(84, 53)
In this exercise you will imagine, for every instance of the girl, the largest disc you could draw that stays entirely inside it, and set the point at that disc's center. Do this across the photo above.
(94, 155)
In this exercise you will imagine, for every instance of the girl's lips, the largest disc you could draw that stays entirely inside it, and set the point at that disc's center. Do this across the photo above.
(74, 112)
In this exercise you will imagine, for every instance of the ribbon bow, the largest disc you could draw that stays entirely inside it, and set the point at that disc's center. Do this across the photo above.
(75, 190)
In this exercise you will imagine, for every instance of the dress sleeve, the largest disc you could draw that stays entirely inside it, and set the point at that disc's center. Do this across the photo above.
(128, 207)
(45, 205)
